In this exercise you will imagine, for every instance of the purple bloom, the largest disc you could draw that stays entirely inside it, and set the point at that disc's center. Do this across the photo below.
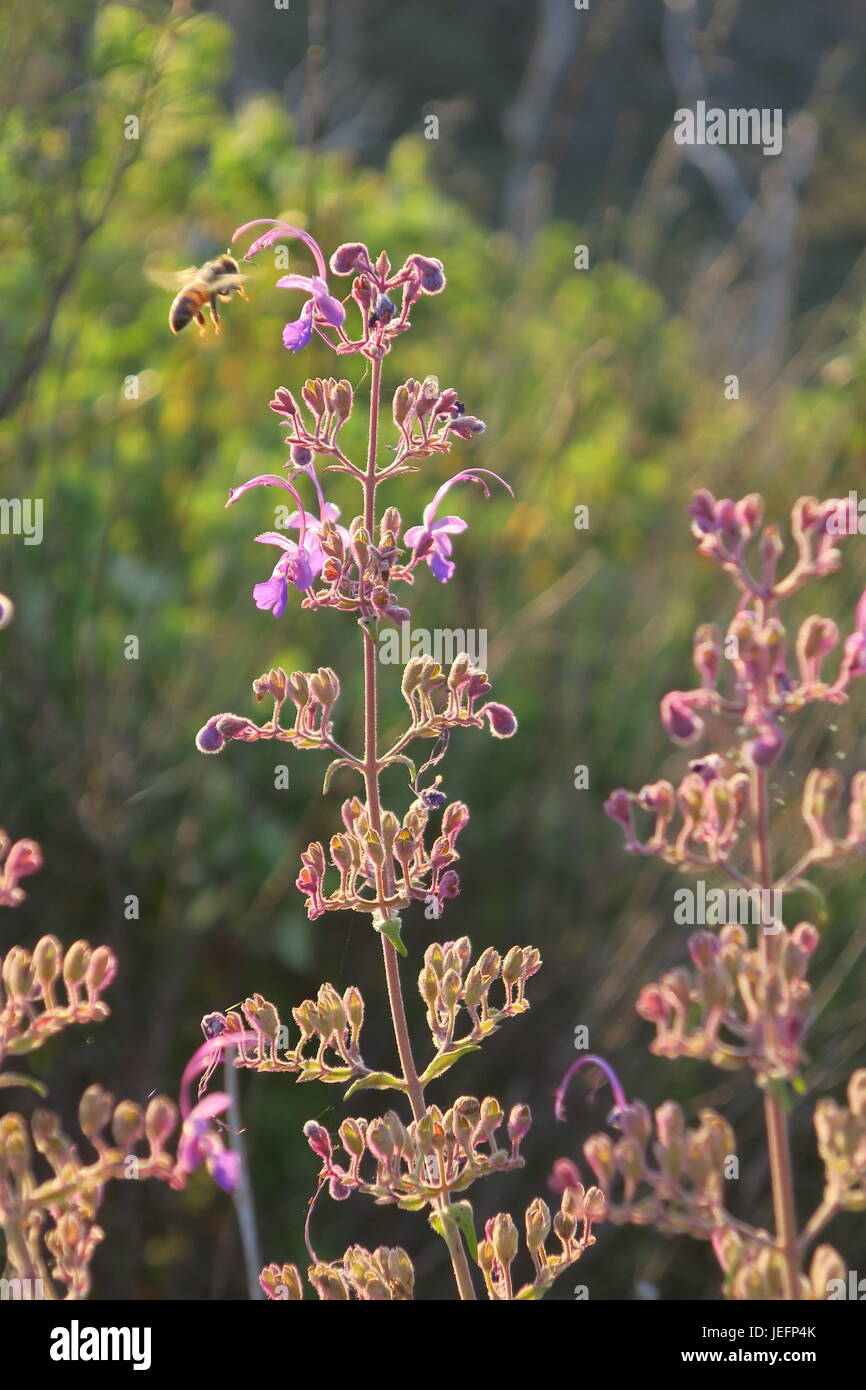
(301, 561)
(200, 1144)
(297, 335)
(432, 540)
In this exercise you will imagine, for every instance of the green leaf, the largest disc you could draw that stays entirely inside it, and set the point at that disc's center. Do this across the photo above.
(436, 1222)
(461, 1215)
(532, 1291)
(412, 1204)
(401, 758)
(11, 1078)
(332, 768)
(465, 1218)
(446, 1061)
(376, 1081)
(390, 928)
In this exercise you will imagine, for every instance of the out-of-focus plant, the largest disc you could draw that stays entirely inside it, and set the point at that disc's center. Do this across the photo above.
(49, 1223)
(380, 863)
(745, 1000)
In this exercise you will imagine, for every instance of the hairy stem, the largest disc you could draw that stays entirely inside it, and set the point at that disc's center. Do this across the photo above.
(778, 1145)
(453, 1237)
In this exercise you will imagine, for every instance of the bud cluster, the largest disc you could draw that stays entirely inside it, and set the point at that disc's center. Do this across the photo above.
(60, 1213)
(48, 989)
(841, 1134)
(313, 695)
(381, 1276)
(684, 1172)
(331, 1024)
(448, 982)
(733, 1009)
(329, 404)
(416, 1164)
(572, 1228)
(383, 873)
(384, 312)
(463, 687)
(426, 418)
(358, 570)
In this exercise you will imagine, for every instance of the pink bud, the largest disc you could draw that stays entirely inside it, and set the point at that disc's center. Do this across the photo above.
(806, 936)
(680, 722)
(651, 1005)
(502, 721)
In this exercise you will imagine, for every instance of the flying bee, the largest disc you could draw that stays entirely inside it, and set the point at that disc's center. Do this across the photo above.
(202, 288)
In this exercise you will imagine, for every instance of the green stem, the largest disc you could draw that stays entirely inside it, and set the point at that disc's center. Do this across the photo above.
(453, 1237)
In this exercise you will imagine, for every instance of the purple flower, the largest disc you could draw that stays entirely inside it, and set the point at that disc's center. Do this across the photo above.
(200, 1144)
(297, 335)
(431, 541)
(301, 561)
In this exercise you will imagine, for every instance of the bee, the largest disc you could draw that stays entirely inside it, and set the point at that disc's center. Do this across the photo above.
(202, 288)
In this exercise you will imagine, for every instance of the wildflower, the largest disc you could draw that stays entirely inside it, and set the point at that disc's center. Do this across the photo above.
(302, 561)
(590, 1059)
(432, 540)
(321, 307)
(200, 1144)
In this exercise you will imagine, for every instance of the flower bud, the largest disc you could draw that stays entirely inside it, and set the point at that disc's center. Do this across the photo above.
(94, 1111)
(537, 1225)
(680, 722)
(352, 256)
(301, 455)
(160, 1118)
(505, 1238)
(128, 1124)
(519, 1124)
(501, 720)
(75, 962)
(47, 955)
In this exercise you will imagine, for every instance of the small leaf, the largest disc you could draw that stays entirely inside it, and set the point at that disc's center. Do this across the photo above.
(436, 1222)
(532, 1291)
(390, 928)
(401, 758)
(412, 1204)
(376, 1081)
(332, 768)
(446, 1060)
(461, 1215)
(465, 1218)
(11, 1078)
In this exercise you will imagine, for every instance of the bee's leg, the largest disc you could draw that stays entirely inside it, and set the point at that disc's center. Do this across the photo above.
(202, 321)
(214, 313)
(242, 293)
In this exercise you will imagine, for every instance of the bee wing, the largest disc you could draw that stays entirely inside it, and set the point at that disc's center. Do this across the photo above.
(172, 280)
(225, 282)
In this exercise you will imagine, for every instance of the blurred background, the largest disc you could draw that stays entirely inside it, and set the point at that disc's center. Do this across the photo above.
(602, 387)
